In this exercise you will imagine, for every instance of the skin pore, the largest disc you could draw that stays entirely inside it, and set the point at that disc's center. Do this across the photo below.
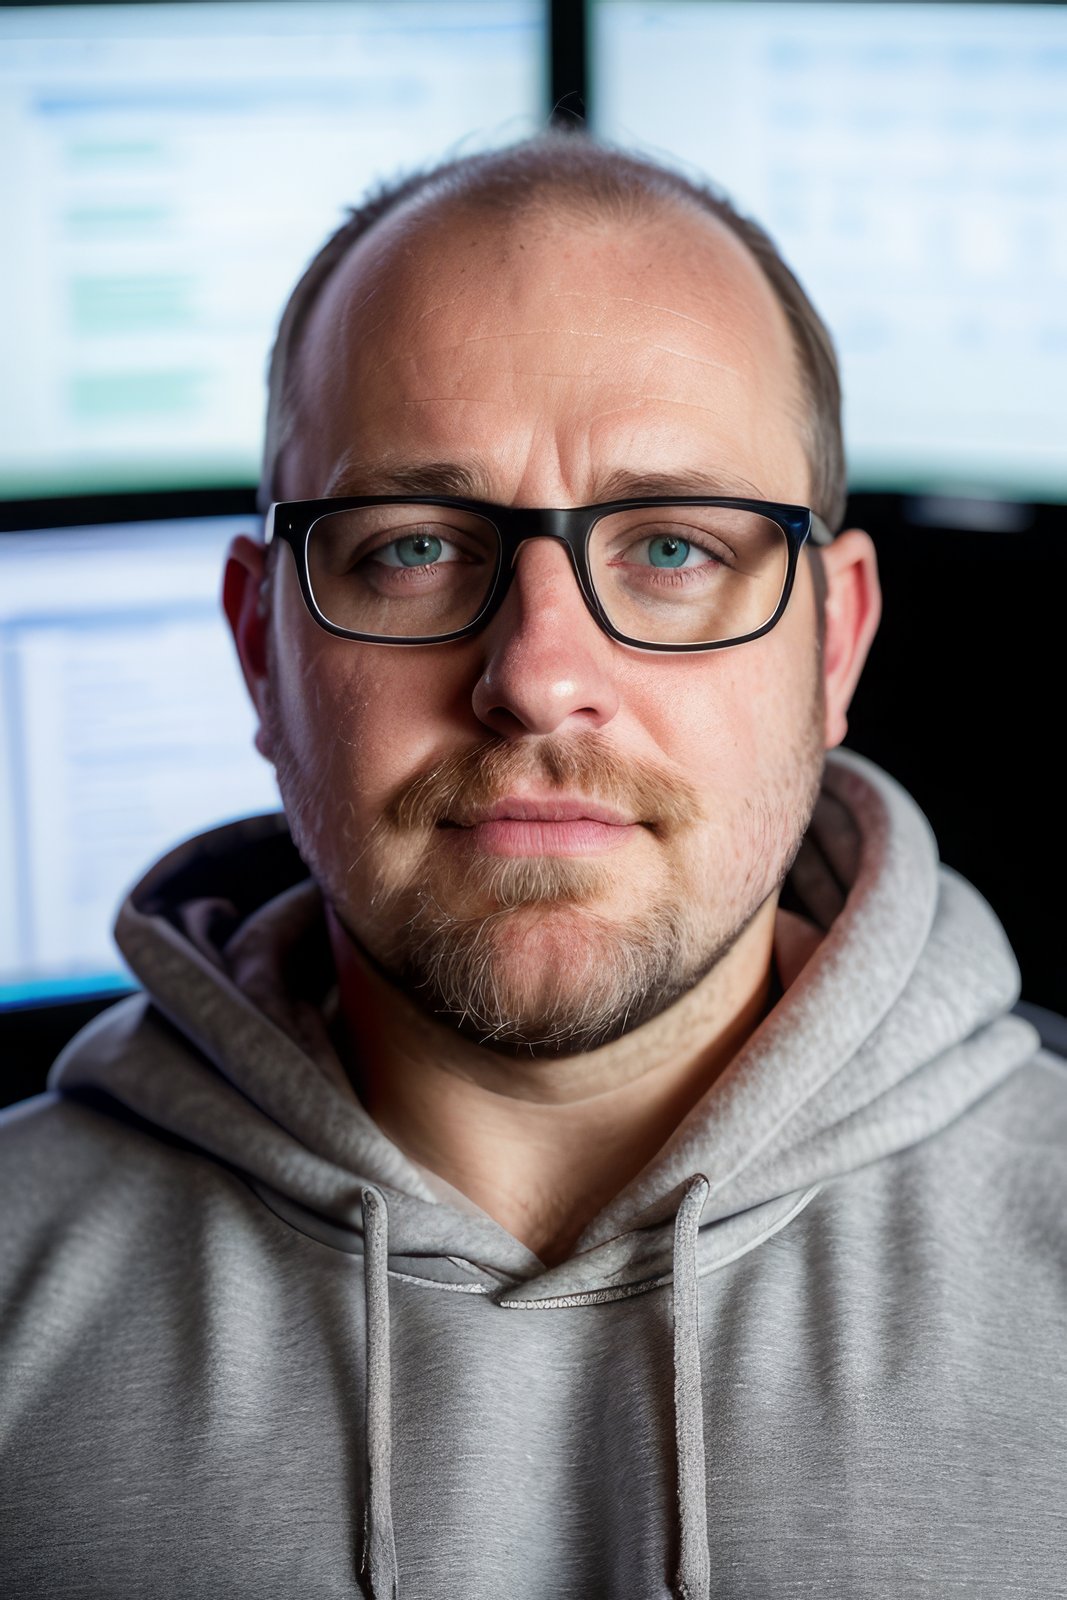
(547, 360)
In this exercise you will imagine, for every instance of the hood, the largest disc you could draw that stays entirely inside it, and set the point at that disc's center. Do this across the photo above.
(896, 979)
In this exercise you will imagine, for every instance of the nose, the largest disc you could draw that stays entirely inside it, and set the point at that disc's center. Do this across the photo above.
(549, 668)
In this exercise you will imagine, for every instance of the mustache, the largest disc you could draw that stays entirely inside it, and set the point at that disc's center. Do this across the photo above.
(584, 764)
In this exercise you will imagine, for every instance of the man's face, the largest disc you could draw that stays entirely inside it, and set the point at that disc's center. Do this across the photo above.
(438, 792)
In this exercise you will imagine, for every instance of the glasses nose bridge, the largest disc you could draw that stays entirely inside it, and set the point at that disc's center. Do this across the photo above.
(525, 523)
(564, 526)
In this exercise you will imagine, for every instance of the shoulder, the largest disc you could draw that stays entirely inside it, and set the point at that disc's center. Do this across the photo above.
(1021, 1129)
(992, 1187)
(1023, 1118)
(50, 1144)
(1029, 1109)
(985, 1189)
(82, 1168)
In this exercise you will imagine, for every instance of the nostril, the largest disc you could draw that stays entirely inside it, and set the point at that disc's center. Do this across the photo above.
(539, 714)
(501, 720)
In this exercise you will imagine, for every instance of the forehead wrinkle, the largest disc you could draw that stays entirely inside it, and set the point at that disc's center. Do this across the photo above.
(638, 404)
(646, 305)
(632, 409)
(508, 336)
(578, 333)
(456, 399)
(703, 361)
(568, 374)
(439, 305)
(669, 311)
(547, 332)
(635, 405)
(328, 319)
(740, 334)
(616, 336)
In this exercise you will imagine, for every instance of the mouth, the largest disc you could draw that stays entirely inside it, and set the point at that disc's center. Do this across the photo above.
(526, 825)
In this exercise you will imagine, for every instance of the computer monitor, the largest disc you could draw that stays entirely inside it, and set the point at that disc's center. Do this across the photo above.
(124, 727)
(910, 160)
(167, 170)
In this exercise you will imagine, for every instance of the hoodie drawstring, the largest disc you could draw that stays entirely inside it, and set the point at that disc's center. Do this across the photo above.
(378, 1565)
(378, 1557)
(693, 1580)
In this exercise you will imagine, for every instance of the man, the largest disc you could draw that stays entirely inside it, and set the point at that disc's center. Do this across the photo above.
(600, 1162)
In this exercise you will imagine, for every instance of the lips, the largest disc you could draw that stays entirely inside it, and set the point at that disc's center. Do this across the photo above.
(551, 809)
(534, 825)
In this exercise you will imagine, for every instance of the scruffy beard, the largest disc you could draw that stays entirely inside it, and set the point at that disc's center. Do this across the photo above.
(518, 953)
(518, 986)
(514, 955)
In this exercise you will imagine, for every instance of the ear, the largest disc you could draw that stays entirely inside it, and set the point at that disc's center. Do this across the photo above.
(853, 608)
(245, 602)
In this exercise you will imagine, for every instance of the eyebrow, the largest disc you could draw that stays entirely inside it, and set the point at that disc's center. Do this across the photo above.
(352, 477)
(473, 482)
(626, 485)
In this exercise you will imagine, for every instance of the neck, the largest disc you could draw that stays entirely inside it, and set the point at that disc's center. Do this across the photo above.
(542, 1145)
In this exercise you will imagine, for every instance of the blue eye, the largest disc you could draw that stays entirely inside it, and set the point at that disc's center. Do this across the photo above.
(667, 552)
(418, 550)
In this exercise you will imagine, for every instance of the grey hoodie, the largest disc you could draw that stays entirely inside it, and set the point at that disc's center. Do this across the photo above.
(817, 1347)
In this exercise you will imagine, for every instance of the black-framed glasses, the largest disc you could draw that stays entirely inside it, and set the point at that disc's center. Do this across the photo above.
(659, 574)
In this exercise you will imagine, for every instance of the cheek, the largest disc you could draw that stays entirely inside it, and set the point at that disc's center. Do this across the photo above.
(730, 720)
(359, 720)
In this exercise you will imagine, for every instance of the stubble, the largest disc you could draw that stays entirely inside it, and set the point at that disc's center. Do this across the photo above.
(548, 956)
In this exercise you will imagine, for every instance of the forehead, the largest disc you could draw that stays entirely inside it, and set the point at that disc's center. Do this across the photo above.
(451, 330)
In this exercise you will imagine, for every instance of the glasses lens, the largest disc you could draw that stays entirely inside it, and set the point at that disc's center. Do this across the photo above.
(688, 574)
(401, 571)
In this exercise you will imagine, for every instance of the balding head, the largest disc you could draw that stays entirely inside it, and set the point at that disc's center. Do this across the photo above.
(567, 177)
(545, 357)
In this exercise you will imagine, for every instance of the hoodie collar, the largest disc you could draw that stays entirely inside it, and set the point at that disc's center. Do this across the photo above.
(888, 1030)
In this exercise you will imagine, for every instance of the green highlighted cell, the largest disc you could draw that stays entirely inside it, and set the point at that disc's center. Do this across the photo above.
(100, 222)
(94, 396)
(128, 304)
(105, 152)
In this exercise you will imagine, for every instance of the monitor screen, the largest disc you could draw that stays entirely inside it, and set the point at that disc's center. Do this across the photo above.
(166, 171)
(910, 161)
(124, 727)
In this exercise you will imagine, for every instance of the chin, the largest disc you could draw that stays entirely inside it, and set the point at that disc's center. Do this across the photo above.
(544, 982)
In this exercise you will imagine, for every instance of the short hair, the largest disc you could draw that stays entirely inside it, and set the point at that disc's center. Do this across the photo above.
(557, 169)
